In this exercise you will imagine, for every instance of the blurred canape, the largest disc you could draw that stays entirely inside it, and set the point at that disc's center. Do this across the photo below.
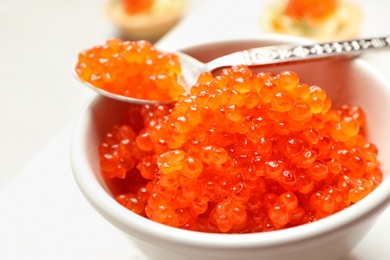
(145, 19)
(321, 20)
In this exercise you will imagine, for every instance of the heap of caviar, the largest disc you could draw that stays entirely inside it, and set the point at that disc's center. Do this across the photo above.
(241, 153)
(132, 68)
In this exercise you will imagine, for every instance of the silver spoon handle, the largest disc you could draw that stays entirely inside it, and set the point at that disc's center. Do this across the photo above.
(287, 53)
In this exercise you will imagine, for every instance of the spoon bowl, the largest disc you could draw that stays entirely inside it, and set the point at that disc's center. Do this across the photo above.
(260, 56)
(109, 94)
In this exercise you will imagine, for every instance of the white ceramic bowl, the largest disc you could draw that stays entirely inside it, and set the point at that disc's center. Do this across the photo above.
(345, 80)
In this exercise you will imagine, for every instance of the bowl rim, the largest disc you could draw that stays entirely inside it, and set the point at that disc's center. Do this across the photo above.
(138, 226)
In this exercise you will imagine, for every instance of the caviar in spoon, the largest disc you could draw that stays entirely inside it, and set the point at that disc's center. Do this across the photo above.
(133, 70)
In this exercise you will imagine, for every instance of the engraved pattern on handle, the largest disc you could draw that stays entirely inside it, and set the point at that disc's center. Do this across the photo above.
(284, 53)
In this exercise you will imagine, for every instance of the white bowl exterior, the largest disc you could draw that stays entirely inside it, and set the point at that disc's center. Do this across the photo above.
(329, 238)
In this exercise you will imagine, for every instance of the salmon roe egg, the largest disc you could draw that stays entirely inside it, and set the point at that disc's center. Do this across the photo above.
(132, 68)
(242, 153)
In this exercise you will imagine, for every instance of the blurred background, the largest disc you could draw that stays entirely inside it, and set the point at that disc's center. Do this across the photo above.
(39, 42)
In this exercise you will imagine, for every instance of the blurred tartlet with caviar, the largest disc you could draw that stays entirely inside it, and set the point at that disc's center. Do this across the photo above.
(145, 19)
(320, 20)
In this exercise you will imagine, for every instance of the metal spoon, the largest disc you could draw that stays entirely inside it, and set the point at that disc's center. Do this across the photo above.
(192, 68)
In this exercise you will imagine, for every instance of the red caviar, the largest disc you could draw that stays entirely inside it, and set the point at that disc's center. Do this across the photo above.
(312, 10)
(132, 68)
(241, 153)
(137, 6)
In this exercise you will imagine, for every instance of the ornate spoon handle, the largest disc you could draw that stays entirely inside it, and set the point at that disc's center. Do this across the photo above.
(283, 53)
(298, 52)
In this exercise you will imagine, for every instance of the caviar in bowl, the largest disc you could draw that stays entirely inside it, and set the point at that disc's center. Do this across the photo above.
(350, 81)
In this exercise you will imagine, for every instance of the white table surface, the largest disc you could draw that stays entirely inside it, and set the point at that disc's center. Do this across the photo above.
(42, 213)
